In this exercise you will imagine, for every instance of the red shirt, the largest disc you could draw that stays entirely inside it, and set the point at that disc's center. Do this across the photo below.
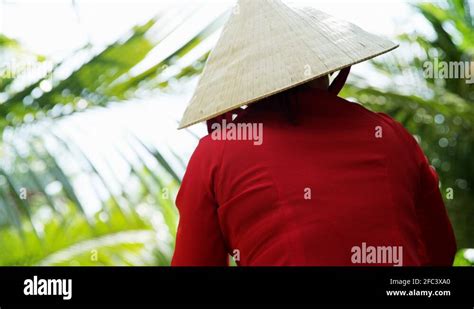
(342, 178)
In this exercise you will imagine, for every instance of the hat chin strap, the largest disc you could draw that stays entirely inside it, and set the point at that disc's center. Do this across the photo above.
(335, 87)
(339, 81)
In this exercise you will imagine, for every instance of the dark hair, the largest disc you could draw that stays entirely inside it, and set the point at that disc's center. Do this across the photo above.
(285, 102)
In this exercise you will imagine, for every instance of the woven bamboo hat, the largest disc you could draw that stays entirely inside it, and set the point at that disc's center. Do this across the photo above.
(267, 47)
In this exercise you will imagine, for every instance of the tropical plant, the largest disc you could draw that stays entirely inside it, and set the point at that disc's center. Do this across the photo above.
(60, 203)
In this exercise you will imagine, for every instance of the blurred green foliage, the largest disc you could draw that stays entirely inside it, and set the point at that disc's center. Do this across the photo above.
(44, 219)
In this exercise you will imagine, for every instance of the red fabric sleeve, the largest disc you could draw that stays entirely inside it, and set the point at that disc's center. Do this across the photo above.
(436, 228)
(199, 241)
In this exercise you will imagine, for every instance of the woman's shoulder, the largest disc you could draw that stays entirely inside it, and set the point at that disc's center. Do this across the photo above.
(386, 121)
(209, 145)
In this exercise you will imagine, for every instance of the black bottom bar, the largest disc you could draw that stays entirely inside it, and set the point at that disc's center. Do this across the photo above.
(432, 287)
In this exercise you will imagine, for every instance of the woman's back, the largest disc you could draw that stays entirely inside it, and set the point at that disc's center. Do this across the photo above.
(343, 186)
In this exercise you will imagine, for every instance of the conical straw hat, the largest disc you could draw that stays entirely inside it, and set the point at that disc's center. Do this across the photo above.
(267, 47)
